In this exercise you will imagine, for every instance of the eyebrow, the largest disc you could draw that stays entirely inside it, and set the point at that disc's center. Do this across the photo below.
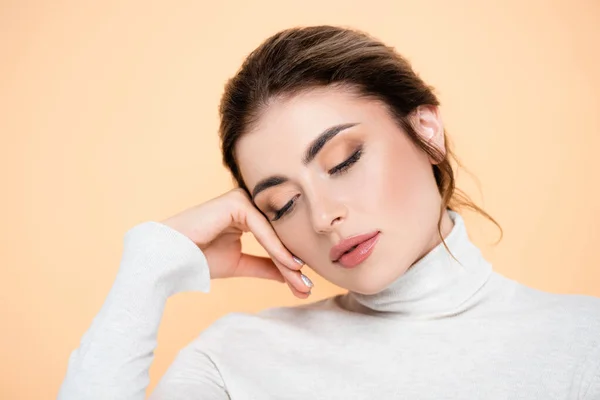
(311, 152)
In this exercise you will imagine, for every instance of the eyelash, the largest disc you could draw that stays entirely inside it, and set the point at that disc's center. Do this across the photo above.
(337, 170)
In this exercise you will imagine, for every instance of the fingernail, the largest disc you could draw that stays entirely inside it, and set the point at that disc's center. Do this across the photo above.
(306, 280)
(299, 261)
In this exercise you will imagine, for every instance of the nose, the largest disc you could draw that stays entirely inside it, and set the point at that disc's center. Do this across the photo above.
(326, 213)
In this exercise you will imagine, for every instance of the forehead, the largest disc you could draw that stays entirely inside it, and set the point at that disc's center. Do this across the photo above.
(276, 144)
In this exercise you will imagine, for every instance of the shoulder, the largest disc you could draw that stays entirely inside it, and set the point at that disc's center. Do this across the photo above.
(564, 327)
(573, 318)
(575, 315)
(579, 306)
(235, 339)
(270, 324)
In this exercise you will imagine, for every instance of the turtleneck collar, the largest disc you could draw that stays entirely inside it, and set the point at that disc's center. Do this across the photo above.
(434, 286)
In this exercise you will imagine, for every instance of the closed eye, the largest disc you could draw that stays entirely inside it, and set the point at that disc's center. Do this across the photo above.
(281, 212)
(337, 170)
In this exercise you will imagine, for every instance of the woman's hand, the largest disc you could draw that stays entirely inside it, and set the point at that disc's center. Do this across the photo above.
(216, 227)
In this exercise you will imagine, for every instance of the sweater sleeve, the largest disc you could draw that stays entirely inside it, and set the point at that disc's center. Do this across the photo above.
(114, 355)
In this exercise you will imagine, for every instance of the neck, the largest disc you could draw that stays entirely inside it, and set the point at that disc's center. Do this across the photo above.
(437, 284)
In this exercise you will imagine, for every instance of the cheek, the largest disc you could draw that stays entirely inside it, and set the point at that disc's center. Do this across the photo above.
(401, 180)
(388, 180)
(295, 236)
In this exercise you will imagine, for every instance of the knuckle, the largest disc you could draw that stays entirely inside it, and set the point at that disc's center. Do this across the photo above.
(240, 197)
(240, 193)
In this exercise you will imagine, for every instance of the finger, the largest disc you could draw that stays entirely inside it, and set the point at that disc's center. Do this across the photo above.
(263, 267)
(297, 293)
(258, 267)
(266, 236)
(294, 279)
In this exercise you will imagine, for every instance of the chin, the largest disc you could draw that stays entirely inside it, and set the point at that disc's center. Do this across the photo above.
(373, 281)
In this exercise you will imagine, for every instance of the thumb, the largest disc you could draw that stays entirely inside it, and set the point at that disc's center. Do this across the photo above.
(258, 267)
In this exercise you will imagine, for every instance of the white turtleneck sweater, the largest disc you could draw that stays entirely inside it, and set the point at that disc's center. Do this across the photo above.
(443, 330)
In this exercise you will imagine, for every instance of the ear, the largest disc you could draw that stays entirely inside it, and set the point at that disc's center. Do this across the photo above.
(427, 122)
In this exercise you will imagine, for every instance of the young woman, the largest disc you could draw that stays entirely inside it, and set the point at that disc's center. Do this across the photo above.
(341, 162)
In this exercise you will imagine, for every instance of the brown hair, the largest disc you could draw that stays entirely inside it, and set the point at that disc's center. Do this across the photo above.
(300, 59)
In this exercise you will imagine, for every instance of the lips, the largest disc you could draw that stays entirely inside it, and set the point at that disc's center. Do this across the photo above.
(347, 244)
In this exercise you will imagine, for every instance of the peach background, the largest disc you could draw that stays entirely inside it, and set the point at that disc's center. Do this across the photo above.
(109, 118)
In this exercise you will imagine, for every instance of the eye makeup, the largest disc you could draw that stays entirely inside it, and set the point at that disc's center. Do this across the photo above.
(339, 169)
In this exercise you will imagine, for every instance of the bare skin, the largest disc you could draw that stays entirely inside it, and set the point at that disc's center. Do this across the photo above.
(388, 186)
(216, 228)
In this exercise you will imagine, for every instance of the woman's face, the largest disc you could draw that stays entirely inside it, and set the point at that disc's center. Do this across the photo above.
(368, 177)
